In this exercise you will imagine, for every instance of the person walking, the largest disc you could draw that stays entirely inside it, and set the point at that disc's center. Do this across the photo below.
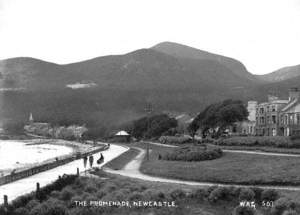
(85, 163)
(91, 161)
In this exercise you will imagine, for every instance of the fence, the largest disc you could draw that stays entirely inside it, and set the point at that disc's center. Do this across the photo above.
(40, 192)
(45, 167)
(50, 165)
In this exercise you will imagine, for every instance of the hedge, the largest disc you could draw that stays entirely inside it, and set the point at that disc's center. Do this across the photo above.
(278, 141)
(174, 140)
(192, 153)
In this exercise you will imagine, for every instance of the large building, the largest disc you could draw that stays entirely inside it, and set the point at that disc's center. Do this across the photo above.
(278, 117)
(289, 123)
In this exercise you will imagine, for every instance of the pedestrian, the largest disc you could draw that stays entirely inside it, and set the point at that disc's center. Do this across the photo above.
(101, 159)
(84, 161)
(91, 160)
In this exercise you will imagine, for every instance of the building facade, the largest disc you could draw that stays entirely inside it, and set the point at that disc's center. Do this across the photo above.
(267, 115)
(278, 117)
(290, 115)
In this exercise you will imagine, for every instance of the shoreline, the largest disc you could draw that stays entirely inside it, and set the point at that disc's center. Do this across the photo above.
(75, 147)
(48, 164)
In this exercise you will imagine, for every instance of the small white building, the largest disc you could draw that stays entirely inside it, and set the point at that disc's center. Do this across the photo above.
(122, 136)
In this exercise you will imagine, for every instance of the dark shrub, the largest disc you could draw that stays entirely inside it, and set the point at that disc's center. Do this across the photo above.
(32, 204)
(290, 212)
(177, 194)
(91, 189)
(234, 192)
(277, 141)
(50, 207)
(246, 194)
(200, 194)
(175, 140)
(135, 196)
(258, 191)
(192, 153)
(55, 194)
(21, 211)
(281, 205)
(66, 194)
(22, 200)
(269, 195)
(239, 210)
(153, 195)
(220, 193)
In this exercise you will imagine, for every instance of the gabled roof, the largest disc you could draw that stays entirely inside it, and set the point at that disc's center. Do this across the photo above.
(289, 105)
(122, 133)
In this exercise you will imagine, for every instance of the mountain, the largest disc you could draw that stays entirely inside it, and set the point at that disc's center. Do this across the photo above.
(281, 74)
(111, 90)
(183, 51)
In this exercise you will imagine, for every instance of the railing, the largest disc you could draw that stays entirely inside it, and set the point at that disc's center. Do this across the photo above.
(44, 167)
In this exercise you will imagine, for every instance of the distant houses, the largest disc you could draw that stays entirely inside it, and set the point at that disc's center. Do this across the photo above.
(62, 132)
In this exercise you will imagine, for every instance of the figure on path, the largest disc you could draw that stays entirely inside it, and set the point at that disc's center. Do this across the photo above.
(85, 163)
(91, 161)
(101, 159)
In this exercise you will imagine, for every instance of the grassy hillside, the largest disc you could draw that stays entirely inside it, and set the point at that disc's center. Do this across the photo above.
(112, 90)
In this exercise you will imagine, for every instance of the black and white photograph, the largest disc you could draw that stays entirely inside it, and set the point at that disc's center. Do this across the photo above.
(139, 107)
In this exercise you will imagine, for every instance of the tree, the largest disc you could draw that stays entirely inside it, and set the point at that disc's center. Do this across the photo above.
(219, 115)
(152, 126)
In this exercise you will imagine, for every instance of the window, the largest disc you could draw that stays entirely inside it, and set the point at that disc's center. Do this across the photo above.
(273, 108)
(298, 118)
(268, 108)
(285, 119)
(291, 119)
(268, 119)
(261, 110)
(273, 119)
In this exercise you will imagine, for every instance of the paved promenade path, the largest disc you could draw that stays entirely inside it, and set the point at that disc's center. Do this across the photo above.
(132, 170)
(27, 185)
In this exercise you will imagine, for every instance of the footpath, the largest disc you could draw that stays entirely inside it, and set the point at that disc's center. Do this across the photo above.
(27, 185)
(132, 170)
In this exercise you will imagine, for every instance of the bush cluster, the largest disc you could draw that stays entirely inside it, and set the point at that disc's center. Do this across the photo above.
(192, 153)
(215, 193)
(61, 201)
(174, 140)
(279, 141)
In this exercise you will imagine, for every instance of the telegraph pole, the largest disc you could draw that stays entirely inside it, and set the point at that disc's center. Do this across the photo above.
(148, 109)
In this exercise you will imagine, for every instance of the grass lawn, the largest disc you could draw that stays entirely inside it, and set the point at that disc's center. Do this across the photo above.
(262, 148)
(119, 162)
(231, 168)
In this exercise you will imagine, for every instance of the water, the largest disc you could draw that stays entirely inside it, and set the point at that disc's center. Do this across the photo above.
(16, 154)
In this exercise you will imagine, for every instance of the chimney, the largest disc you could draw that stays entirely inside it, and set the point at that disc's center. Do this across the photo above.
(293, 93)
(252, 110)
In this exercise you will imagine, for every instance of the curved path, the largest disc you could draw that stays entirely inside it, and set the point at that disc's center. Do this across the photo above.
(238, 151)
(27, 185)
(132, 170)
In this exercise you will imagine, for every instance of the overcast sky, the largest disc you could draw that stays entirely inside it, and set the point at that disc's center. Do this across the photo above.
(263, 34)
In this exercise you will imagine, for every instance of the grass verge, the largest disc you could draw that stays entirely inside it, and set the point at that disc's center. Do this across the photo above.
(238, 168)
(120, 161)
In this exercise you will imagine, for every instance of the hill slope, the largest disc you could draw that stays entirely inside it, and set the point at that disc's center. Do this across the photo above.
(281, 74)
(183, 51)
(111, 90)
